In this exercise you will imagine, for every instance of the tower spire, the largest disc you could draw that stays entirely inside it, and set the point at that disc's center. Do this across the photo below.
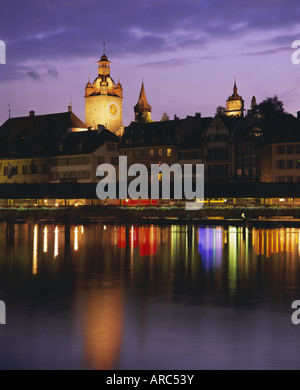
(142, 109)
(234, 87)
(104, 48)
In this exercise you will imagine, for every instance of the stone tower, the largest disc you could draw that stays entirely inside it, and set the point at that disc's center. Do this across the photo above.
(103, 100)
(142, 110)
(235, 103)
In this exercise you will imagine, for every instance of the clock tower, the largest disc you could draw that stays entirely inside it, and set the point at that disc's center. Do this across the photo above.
(103, 100)
(235, 103)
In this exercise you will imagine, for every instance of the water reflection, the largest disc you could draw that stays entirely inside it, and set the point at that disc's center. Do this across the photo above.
(107, 297)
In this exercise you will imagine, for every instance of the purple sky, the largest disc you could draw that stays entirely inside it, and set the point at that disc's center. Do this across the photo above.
(187, 51)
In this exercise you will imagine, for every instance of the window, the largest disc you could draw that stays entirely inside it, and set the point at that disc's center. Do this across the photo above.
(280, 179)
(100, 160)
(44, 168)
(114, 160)
(280, 149)
(160, 152)
(5, 171)
(290, 179)
(289, 164)
(151, 152)
(298, 149)
(110, 146)
(169, 152)
(290, 149)
(25, 169)
(280, 164)
(33, 169)
(298, 164)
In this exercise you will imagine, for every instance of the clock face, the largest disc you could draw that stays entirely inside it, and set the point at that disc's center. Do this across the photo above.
(113, 109)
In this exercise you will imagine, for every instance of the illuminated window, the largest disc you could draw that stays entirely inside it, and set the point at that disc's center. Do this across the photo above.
(151, 152)
(160, 152)
(169, 152)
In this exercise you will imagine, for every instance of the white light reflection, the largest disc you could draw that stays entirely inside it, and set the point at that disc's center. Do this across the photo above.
(76, 238)
(56, 241)
(35, 250)
(45, 246)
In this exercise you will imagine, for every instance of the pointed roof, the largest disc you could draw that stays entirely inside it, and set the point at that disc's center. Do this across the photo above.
(142, 103)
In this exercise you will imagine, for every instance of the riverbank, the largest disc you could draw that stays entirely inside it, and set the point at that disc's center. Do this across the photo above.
(237, 216)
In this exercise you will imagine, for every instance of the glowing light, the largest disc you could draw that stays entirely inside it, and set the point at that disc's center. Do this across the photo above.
(82, 229)
(45, 246)
(56, 241)
(76, 239)
(35, 250)
(104, 227)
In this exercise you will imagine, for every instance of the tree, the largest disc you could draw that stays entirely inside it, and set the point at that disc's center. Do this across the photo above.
(221, 111)
(165, 117)
(270, 107)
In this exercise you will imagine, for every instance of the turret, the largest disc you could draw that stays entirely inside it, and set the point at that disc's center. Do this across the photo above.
(142, 109)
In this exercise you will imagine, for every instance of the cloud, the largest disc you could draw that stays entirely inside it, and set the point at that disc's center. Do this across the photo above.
(53, 72)
(266, 52)
(70, 28)
(34, 75)
(162, 64)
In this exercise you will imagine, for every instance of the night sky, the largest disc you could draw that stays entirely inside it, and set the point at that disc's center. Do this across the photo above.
(187, 51)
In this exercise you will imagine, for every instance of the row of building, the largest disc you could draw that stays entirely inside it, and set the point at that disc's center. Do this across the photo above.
(60, 147)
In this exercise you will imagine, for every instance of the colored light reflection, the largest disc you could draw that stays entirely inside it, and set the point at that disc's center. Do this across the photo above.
(210, 246)
(143, 237)
(271, 241)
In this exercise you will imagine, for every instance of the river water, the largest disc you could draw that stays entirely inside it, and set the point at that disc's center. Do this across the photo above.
(154, 298)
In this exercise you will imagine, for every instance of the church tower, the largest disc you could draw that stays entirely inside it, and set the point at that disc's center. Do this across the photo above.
(142, 110)
(103, 99)
(235, 103)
